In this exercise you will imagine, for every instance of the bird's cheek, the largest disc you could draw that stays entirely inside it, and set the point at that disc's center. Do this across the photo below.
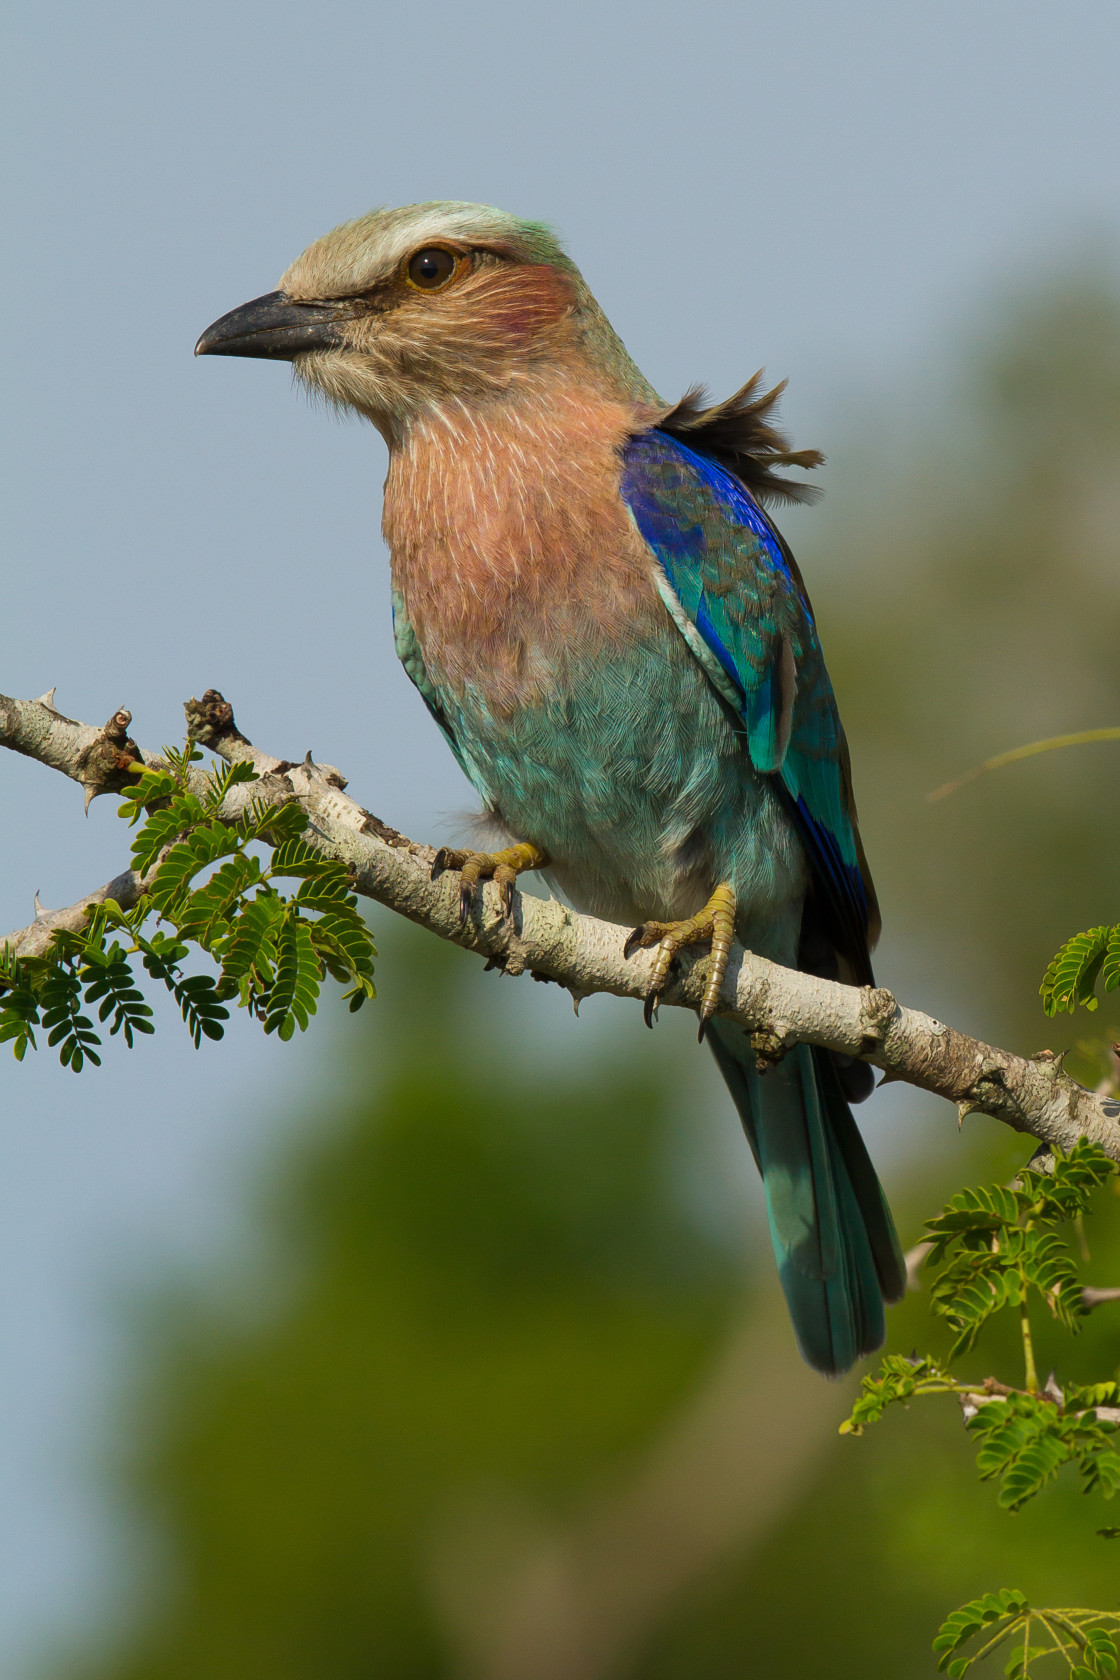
(343, 377)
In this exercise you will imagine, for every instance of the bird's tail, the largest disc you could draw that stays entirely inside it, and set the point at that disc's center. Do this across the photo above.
(834, 1239)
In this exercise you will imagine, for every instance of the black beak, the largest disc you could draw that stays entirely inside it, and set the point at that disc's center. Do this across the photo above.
(275, 326)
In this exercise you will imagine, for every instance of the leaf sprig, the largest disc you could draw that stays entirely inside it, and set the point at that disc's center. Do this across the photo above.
(1085, 1641)
(1074, 972)
(1003, 1246)
(898, 1380)
(1026, 1438)
(1000, 1248)
(272, 949)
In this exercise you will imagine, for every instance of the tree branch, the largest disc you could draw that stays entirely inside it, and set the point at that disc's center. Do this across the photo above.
(780, 1007)
(1094, 1297)
(125, 889)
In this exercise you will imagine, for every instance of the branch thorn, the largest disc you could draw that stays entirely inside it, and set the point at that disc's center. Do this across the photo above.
(1052, 1391)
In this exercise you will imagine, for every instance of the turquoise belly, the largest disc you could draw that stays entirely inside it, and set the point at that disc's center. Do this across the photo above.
(636, 783)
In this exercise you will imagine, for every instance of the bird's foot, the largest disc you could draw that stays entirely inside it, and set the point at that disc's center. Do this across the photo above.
(502, 868)
(715, 923)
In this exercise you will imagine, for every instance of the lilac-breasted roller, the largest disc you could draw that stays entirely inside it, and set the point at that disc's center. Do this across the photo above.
(619, 649)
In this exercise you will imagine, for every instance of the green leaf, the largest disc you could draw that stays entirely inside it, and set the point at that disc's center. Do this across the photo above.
(972, 1219)
(1103, 1647)
(108, 980)
(969, 1292)
(67, 1029)
(202, 1009)
(1068, 1190)
(979, 1615)
(203, 846)
(295, 857)
(1047, 1266)
(164, 826)
(1034, 1465)
(17, 1029)
(1025, 1439)
(274, 823)
(898, 1380)
(330, 896)
(162, 954)
(206, 913)
(342, 930)
(252, 938)
(153, 783)
(1110, 968)
(226, 776)
(1100, 1471)
(295, 990)
(19, 1010)
(1073, 971)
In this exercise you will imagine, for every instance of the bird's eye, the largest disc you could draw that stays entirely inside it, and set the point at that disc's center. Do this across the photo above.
(432, 268)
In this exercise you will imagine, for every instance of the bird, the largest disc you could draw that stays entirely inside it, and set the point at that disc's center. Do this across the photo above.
(617, 644)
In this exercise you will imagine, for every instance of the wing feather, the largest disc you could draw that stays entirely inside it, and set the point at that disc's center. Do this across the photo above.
(735, 593)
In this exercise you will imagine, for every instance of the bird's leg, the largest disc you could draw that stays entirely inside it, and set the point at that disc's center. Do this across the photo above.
(715, 923)
(502, 868)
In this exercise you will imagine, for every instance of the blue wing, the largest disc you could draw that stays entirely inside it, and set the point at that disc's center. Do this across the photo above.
(736, 595)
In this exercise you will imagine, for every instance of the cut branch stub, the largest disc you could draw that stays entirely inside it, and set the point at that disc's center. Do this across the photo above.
(211, 719)
(769, 1046)
(111, 760)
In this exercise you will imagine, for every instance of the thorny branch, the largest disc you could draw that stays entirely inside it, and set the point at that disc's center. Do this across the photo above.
(779, 1006)
(974, 1395)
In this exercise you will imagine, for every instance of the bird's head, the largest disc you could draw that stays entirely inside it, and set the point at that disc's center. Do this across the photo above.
(405, 311)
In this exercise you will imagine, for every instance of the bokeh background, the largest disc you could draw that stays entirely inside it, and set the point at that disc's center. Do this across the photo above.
(445, 1343)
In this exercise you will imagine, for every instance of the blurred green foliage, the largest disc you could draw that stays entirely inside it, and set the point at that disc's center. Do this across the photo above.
(498, 1297)
(498, 1290)
(967, 578)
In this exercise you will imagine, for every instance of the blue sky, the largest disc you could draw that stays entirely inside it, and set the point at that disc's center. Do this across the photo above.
(826, 189)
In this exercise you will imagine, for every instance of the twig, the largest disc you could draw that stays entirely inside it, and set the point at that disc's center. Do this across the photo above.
(1083, 738)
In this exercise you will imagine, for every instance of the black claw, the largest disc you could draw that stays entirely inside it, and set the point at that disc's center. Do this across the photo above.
(439, 862)
(703, 1029)
(464, 905)
(650, 1010)
(633, 943)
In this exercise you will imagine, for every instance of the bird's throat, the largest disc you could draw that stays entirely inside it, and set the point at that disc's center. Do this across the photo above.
(509, 540)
